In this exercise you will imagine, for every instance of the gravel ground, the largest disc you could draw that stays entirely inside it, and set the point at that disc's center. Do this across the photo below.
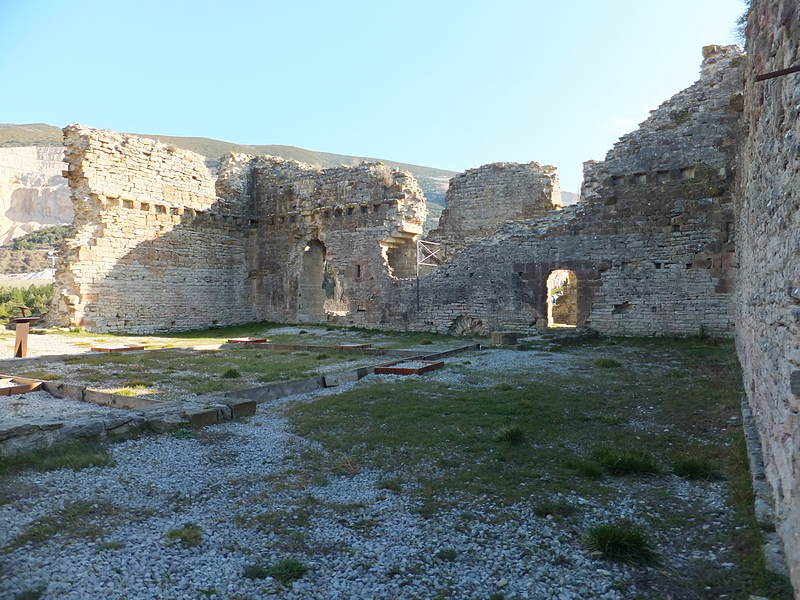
(358, 541)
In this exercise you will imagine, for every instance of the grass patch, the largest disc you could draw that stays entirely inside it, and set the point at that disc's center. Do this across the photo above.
(232, 373)
(606, 363)
(623, 542)
(626, 461)
(75, 456)
(287, 570)
(511, 435)
(256, 571)
(696, 467)
(81, 519)
(188, 535)
(41, 375)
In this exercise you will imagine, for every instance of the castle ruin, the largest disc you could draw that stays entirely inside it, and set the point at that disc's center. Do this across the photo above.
(163, 244)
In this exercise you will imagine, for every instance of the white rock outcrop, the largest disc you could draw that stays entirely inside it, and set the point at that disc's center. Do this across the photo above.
(33, 193)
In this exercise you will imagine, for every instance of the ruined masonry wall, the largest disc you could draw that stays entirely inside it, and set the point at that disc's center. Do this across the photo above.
(362, 215)
(151, 252)
(651, 242)
(768, 238)
(479, 200)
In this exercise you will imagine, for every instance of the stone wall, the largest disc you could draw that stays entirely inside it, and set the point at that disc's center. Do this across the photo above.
(161, 244)
(152, 251)
(479, 200)
(651, 243)
(361, 222)
(768, 238)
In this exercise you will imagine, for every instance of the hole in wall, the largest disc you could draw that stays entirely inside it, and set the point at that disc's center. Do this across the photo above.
(562, 298)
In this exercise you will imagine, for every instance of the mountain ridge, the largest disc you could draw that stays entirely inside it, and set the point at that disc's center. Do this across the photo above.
(433, 181)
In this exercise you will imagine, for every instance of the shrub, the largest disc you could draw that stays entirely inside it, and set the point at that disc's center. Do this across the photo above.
(622, 542)
(232, 373)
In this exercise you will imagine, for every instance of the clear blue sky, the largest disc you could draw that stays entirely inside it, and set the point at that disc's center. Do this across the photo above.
(441, 83)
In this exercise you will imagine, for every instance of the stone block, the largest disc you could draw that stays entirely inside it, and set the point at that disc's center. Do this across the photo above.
(337, 379)
(241, 407)
(504, 338)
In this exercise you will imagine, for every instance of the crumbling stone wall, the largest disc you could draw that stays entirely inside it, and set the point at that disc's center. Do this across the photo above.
(151, 251)
(480, 200)
(768, 238)
(161, 244)
(651, 243)
(365, 221)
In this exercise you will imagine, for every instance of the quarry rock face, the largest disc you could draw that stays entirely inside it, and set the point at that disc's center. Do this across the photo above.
(768, 237)
(33, 193)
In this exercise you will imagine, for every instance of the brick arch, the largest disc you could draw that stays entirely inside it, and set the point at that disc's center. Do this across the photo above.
(534, 276)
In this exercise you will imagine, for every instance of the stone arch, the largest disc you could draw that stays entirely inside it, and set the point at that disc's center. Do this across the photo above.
(310, 291)
(562, 298)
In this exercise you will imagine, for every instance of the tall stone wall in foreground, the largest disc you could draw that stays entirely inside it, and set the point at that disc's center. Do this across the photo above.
(151, 250)
(768, 238)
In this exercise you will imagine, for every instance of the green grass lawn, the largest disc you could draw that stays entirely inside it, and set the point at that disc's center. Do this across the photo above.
(594, 432)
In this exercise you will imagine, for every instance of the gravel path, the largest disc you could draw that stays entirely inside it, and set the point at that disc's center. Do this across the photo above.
(241, 483)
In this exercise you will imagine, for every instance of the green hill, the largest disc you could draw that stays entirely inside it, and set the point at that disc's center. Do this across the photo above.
(434, 182)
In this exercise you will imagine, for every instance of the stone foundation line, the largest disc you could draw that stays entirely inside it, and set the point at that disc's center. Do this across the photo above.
(18, 435)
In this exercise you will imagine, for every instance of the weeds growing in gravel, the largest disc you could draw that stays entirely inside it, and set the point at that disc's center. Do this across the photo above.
(626, 461)
(623, 542)
(78, 519)
(31, 594)
(188, 535)
(606, 363)
(75, 455)
(287, 570)
(696, 467)
(256, 571)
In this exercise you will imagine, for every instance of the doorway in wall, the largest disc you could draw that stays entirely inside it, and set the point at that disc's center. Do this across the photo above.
(562, 298)
(310, 291)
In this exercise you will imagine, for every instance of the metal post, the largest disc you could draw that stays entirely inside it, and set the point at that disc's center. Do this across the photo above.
(417, 270)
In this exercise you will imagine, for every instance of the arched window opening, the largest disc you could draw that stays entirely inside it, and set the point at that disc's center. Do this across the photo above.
(562, 298)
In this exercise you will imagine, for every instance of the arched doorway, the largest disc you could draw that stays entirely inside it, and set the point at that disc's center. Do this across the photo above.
(310, 292)
(562, 298)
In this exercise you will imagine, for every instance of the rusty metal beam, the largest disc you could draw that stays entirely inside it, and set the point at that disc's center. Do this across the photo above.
(774, 74)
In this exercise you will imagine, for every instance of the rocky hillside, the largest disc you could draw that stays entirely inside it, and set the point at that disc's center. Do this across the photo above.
(33, 194)
(433, 181)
